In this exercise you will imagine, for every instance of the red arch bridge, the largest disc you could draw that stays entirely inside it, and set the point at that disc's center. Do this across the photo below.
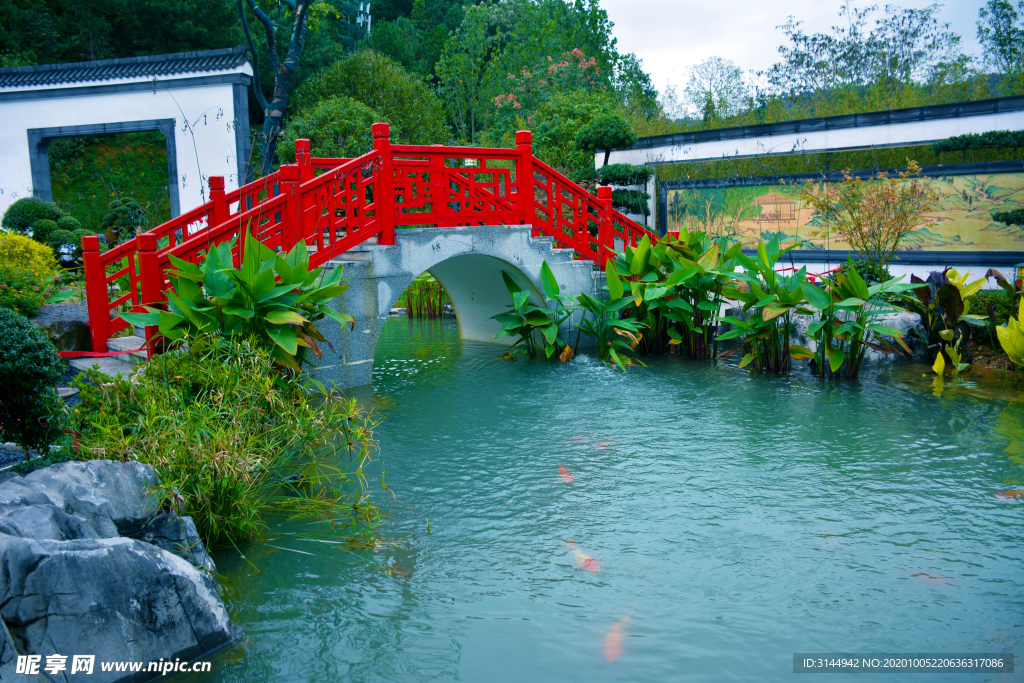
(466, 213)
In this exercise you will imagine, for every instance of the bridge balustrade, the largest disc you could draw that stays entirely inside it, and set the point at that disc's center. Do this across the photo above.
(336, 204)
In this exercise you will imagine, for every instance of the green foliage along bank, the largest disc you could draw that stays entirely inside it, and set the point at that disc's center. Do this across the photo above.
(233, 442)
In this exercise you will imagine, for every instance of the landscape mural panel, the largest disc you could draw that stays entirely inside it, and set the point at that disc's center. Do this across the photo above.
(961, 221)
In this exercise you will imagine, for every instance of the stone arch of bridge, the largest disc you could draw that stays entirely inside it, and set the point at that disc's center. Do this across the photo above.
(468, 263)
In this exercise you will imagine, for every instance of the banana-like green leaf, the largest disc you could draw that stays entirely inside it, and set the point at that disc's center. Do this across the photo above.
(710, 259)
(640, 257)
(340, 318)
(284, 317)
(771, 312)
(835, 359)
(286, 338)
(747, 359)
(798, 352)
(615, 289)
(549, 282)
(816, 296)
(141, 319)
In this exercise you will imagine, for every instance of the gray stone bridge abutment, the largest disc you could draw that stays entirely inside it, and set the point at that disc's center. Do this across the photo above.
(468, 262)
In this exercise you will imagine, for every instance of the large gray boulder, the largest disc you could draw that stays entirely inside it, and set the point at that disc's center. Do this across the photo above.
(89, 564)
(66, 325)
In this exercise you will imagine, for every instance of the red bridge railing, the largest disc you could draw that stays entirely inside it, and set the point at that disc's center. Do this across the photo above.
(336, 204)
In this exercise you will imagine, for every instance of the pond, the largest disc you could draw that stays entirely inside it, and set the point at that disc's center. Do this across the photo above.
(731, 521)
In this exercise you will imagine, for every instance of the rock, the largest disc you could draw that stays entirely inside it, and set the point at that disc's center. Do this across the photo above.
(117, 598)
(66, 325)
(89, 564)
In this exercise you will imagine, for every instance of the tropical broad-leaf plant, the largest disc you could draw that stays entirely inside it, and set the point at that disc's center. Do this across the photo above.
(845, 329)
(942, 303)
(1011, 337)
(274, 298)
(617, 335)
(676, 286)
(523, 319)
(772, 298)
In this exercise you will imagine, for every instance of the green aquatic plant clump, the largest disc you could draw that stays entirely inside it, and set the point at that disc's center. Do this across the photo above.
(526, 320)
(273, 298)
(232, 442)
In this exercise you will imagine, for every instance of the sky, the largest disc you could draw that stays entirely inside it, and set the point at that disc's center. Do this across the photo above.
(672, 35)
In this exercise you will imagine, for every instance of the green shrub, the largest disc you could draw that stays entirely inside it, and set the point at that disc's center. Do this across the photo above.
(997, 308)
(23, 214)
(273, 298)
(18, 251)
(124, 220)
(43, 229)
(607, 132)
(336, 127)
(25, 290)
(232, 441)
(624, 174)
(30, 411)
(382, 85)
(631, 201)
(68, 223)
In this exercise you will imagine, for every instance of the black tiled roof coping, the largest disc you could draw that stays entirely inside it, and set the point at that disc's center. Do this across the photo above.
(940, 111)
(130, 67)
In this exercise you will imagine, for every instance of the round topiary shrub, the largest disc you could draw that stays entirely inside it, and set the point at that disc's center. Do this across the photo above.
(30, 411)
(607, 132)
(22, 214)
(123, 221)
(68, 223)
(42, 230)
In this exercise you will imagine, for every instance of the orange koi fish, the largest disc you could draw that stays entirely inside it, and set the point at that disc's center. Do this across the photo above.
(613, 641)
(584, 560)
(930, 578)
(578, 439)
(1010, 494)
(566, 477)
(603, 444)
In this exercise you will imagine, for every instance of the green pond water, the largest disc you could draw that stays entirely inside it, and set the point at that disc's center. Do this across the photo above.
(736, 519)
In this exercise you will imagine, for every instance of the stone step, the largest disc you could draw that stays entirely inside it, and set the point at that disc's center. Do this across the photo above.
(128, 344)
(108, 366)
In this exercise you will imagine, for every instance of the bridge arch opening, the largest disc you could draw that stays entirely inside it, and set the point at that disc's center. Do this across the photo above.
(475, 286)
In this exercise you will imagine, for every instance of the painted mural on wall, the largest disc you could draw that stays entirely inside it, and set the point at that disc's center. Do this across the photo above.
(962, 220)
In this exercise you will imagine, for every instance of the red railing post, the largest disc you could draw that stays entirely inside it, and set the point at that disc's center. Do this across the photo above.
(441, 191)
(383, 192)
(218, 204)
(524, 179)
(292, 229)
(95, 292)
(304, 159)
(605, 234)
(152, 278)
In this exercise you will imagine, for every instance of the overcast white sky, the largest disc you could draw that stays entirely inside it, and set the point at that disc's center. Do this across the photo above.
(672, 35)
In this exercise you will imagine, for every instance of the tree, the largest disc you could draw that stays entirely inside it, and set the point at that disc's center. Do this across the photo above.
(383, 85)
(461, 71)
(51, 31)
(905, 45)
(1001, 34)
(607, 132)
(274, 110)
(336, 127)
(716, 88)
(634, 89)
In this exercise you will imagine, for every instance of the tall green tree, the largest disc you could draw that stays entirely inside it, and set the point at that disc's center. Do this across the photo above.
(1001, 34)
